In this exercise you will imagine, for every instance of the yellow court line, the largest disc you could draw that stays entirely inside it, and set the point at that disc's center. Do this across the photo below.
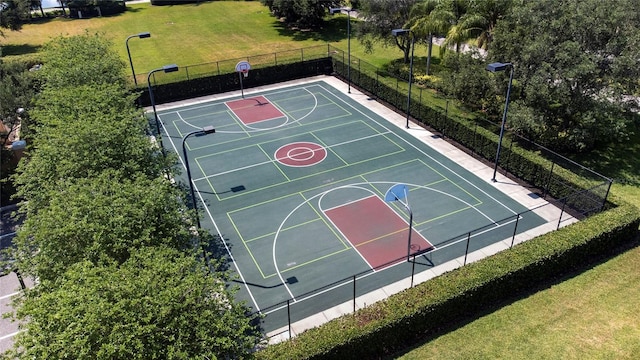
(454, 184)
(324, 220)
(328, 148)
(320, 186)
(255, 262)
(308, 262)
(443, 179)
(315, 174)
(274, 163)
(254, 144)
(382, 237)
(285, 229)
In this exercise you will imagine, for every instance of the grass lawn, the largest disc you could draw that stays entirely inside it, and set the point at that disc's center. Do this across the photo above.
(193, 34)
(589, 316)
(593, 315)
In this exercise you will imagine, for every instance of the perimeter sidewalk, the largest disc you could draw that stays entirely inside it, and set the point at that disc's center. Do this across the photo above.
(507, 186)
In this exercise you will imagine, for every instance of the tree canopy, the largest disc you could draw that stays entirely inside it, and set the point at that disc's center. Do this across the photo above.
(120, 268)
(382, 16)
(575, 62)
(300, 13)
(13, 14)
(159, 304)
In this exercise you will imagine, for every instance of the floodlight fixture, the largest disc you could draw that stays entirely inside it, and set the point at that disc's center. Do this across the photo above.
(497, 67)
(141, 35)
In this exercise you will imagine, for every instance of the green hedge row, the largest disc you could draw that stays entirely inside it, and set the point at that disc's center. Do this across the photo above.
(188, 89)
(584, 193)
(397, 322)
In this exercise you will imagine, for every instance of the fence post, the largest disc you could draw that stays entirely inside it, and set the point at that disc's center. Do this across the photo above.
(301, 55)
(397, 93)
(474, 147)
(218, 67)
(564, 203)
(606, 195)
(420, 106)
(354, 293)
(467, 250)
(446, 119)
(413, 268)
(289, 318)
(546, 188)
(515, 229)
(186, 68)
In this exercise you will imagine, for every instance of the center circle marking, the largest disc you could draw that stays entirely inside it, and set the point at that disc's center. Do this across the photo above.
(300, 154)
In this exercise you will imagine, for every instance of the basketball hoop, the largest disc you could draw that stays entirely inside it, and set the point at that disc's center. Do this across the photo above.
(242, 68)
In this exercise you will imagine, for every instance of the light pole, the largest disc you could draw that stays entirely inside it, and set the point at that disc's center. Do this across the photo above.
(141, 36)
(167, 69)
(495, 67)
(204, 131)
(396, 33)
(348, 10)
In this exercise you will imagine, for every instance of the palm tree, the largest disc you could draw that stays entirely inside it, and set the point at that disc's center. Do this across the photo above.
(449, 17)
(423, 25)
(479, 21)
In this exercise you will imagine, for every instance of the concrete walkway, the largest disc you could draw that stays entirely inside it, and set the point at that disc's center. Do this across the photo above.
(509, 187)
(520, 194)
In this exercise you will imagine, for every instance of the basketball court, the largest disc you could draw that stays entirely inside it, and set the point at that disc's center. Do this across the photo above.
(299, 179)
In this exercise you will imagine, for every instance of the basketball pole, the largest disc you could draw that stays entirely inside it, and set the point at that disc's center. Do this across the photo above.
(241, 87)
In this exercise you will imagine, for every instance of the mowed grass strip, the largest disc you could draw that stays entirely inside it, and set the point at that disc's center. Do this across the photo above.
(591, 316)
(193, 34)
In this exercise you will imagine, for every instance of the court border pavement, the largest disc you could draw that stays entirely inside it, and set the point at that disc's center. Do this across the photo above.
(483, 171)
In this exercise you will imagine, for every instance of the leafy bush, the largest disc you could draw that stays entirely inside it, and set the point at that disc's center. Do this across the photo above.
(392, 324)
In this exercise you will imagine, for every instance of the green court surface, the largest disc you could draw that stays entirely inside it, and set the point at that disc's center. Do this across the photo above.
(294, 181)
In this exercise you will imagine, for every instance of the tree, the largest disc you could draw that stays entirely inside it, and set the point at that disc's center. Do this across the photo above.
(13, 14)
(449, 16)
(300, 13)
(121, 273)
(467, 81)
(575, 62)
(382, 16)
(424, 26)
(37, 5)
(83, 131)
(17, 88)
(159, 304)
(481, 21)
(81, 60)
(100, 218)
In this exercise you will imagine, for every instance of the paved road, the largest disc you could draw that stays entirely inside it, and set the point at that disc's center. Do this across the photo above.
(9, 284)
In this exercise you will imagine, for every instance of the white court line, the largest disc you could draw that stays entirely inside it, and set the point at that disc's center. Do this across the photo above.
(375, 121)
(216, 226)
(9, 295)
(7, 235)
(419, 150)
(324, 212)
(10, 335)
(275, 160)
(185, 121)
(222, 100)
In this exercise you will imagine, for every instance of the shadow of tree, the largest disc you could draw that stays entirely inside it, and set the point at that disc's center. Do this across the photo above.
(19, 49)
(334, 30)
(617, 160)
